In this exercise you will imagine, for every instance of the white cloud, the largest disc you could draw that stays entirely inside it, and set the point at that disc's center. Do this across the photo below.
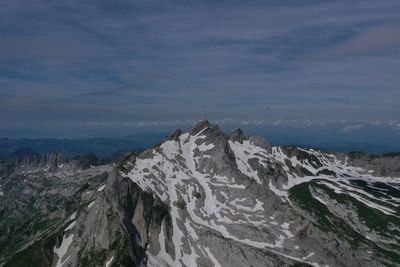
(351, 128)
(139, 124)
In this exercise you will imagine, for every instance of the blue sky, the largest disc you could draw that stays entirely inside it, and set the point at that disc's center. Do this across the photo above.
(103, 67)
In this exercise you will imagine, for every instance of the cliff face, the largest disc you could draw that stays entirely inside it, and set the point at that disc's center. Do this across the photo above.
(73, 216)
(117, 225)
(37, 193)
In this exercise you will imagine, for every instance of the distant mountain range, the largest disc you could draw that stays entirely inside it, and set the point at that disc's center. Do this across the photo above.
(102, 147)
(323, 139)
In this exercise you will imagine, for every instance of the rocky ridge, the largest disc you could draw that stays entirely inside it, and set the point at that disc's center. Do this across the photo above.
(204, 198)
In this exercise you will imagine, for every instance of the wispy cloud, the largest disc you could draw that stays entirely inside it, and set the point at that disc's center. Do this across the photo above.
(154, 61)
(343, 126)
(374, 39)
(351, 128)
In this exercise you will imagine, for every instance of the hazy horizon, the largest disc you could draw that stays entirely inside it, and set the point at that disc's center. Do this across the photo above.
(335, 137)
(324, 70)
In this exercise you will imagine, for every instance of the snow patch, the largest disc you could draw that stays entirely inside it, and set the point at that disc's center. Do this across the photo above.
(91, 204)
(73, 216)
(108, 263)
(169, 148)
(308, 256)
(101, 188)
(320, 200)
(70, 226)
(204, 148)
(62, 250)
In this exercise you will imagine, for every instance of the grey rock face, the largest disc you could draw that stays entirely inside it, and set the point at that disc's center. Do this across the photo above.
(36, 193)
(238, 136)
(203, 198)
(385, 165)
(226, 193)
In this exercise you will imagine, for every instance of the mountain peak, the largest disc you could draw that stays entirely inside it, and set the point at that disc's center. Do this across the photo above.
(202, 125)
(23, 153)
(261, 142)
(175, 135)
(232, 187)
(238, 136)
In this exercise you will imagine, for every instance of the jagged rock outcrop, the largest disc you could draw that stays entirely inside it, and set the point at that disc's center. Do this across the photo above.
(227, 191)
(36, 193)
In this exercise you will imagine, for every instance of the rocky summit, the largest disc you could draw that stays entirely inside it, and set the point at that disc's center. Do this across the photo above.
(201, 198)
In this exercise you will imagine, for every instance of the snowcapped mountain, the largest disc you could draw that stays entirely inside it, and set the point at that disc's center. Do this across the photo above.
(203, 198)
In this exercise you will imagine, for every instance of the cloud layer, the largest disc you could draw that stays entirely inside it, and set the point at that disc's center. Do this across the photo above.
(66, 63)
